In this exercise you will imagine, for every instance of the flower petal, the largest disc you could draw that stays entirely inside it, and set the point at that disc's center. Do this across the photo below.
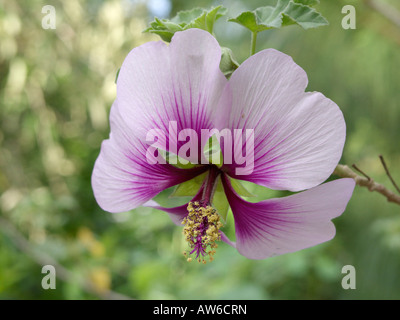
(298, 136)
(122, 177)
(159, 84)
(282, 225)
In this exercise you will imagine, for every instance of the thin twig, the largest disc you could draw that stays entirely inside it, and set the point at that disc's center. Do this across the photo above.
(388, 173)
(43, 259)
(344, 171)
(360, 171)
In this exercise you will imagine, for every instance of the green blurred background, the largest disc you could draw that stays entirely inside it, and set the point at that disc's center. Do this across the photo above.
(56, 89)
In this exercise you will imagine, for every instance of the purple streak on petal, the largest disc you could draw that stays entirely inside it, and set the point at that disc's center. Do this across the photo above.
(157, 84)
(282, 225)
(122, 177)
(181, 82)
(299, 137)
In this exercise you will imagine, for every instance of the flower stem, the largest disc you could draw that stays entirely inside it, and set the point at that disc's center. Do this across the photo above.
(253, 43)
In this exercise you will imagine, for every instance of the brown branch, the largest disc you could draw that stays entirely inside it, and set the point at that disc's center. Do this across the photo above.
(43, 259)
(344, 171)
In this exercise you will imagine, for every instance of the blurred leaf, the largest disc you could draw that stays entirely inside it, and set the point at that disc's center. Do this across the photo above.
(45, 92)
(147, 275)
(100, 278)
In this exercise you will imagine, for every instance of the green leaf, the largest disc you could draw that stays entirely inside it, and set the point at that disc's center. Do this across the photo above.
(285, 13)
(310, 3)
(249, 20)
(189, 188)
(199, 18)
(164, 28)
(213, 15)
(212, 151)
(196, 18)
(116, 75)
(228, 63)
(187, 17)
(304, 16)
(219, 201)
(176, 160)
(240, 189)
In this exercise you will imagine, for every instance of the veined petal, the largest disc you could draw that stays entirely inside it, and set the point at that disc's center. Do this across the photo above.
(282, 225)
(123, 178)
(157, 85)
(298, 136)
(181, 83)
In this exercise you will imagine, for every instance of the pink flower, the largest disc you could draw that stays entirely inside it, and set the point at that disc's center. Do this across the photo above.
(298, 141)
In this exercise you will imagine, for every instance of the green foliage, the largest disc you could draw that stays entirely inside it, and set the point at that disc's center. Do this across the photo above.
(310, 3)
(189, 188)
(220, 202)
(228, 63)
(285, 13)
(241, 189)
(195, 18)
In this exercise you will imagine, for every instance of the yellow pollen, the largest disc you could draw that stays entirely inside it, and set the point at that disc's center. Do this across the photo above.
(201, 230)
